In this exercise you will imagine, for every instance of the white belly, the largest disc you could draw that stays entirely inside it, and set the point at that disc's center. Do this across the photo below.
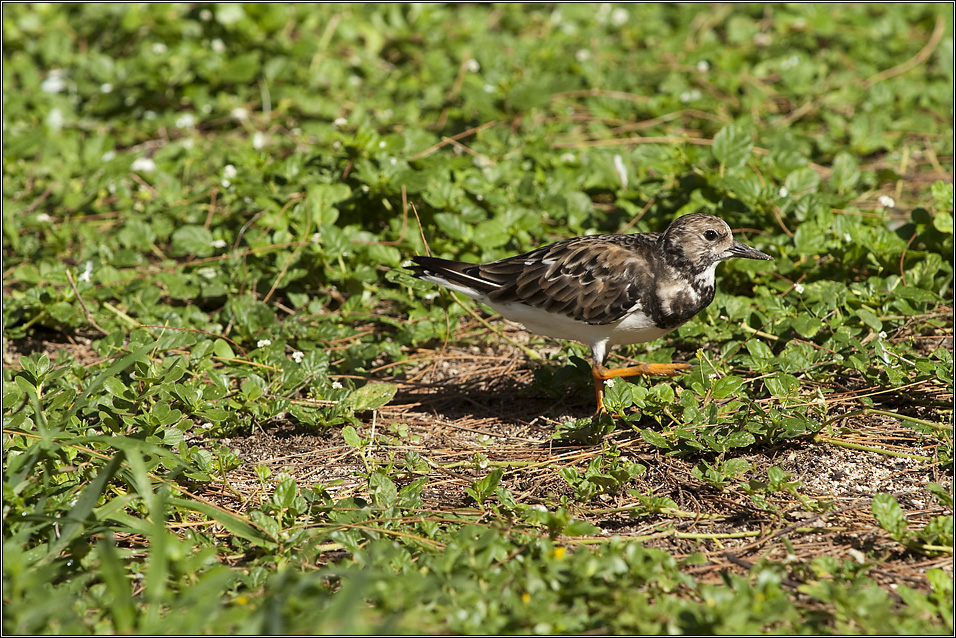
(635, 328)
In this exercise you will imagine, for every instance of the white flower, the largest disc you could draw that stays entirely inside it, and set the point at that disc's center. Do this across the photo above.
(783, 192)
(762, 39)
(567, 157)
(258, 140)
(799, 288)
(205, 15)
(262, 343)
(186, 120)
(219, 243)
(43, 218)
(621, 170)
(886, 201)
(87, 271)
(108, 156)
(583, 55)
(298, 356)
(703, 66)
(428, 296)
(239, 113)
(208, 272)
(488, 88)
(143, 165)
(54, 82)
(218, 45)
(106, 87)
(339, 122)
(336, 385)
(381, 144)
(229, 173)
(472, 65)
(619, 17)
(316, 238)
(55, 119)
(159, 48)
(149, 115)
(790, 62)
(609, 383)
(690, 96)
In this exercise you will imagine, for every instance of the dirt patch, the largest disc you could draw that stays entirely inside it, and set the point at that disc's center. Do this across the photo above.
(456, 407)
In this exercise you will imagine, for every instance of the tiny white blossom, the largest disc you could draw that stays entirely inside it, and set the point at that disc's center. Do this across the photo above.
(143, 165)
(609, 383)
(621, 170)
(690, 96)
(339, 122)
(428, 296)
(229, 173)
(55, 119)
(43, 218)
(239, 113)
(219, 243)
(159, 48)
(208, 272)
(703, 66)
(186, 120)
(847, 238)
(106, 87)
(54, 82)
(886, 201)
(799, 288)
(790, 62)
(762, 39)
(783, 192)
(298, 356)
(336, 385)
(619, 17)
(488, 88)
(87, 271)
(539, 507)
(149, 115)
(108, 156)
(316, 238)
(258, 140)
(567, 157)
(381, 144)
(472, 65)
(262, 343)
(205, 15)
(218, 45)
(583, 55)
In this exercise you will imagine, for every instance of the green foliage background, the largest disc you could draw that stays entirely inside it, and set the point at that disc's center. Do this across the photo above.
(220, 197)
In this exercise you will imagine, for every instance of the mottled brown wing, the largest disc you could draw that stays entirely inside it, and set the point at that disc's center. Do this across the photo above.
(596, 279)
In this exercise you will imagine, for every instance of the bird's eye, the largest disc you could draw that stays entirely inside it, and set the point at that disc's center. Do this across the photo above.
(710, 235)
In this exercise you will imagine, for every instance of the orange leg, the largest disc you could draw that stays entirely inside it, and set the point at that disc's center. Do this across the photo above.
(601, 374)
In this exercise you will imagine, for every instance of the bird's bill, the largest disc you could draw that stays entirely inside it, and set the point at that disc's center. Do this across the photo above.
(745, 251)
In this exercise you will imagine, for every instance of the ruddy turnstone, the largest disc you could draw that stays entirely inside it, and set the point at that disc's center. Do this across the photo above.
(603, 290)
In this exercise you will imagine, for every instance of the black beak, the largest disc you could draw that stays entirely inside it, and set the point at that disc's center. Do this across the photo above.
(745, 251)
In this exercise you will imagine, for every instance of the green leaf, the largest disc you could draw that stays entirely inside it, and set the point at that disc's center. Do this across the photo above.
(192, 240)
(727, 386)
(654, 438)
(733, 146)
(889, 515)
(352, 438)
(372, 396)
